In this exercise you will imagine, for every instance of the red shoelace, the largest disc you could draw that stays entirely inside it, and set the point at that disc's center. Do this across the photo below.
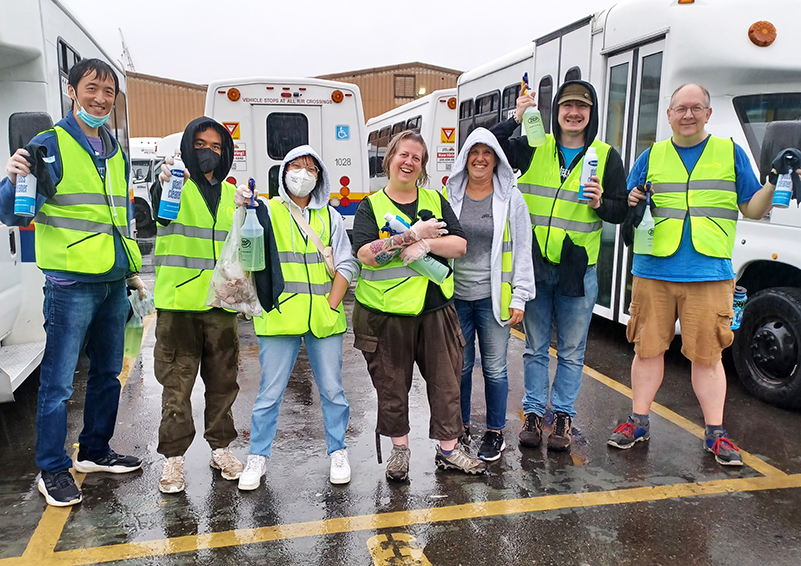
(627, 429)
(722, 442)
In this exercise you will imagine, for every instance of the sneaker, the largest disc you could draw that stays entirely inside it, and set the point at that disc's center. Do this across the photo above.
(224, 460)
(466, 437)
(531, 435)
(725, 451)
(398, 464)
(562, 433)
(627, 435)
(172, 475)
(491, 446)
(340, 467)
(460, 460)
(59, 488)
(113, 462)
(254, 469)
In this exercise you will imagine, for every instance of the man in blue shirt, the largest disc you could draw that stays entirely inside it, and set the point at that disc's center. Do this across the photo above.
(699, 184)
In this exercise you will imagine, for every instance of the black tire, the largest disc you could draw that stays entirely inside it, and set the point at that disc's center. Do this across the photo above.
(767, 347)
(145, 226)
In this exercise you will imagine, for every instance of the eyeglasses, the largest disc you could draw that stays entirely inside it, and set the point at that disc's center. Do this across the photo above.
(298, 166)
(696, 110)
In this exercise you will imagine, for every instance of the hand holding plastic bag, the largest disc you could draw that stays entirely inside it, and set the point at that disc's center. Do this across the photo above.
(231, 286)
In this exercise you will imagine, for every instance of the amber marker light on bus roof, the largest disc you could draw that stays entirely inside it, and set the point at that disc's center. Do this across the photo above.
(452, 103)
(686, 1)
(233, 94)
(762, 33)
(337, 96)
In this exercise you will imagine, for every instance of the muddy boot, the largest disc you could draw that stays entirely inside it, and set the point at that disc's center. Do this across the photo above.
(459, 459)
(531, 435)
(398, 464)
(562, 434)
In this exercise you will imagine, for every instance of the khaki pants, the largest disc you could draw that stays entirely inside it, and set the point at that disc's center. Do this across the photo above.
(186, 341)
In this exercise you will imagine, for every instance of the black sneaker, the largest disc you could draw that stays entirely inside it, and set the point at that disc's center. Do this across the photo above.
(59, 488)
(531, 435)
(112, 462)
(560, 437)
(491, 446)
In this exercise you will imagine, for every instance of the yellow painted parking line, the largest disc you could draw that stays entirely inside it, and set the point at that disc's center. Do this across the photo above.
(396, 548)
(748, 459)
(401, 519)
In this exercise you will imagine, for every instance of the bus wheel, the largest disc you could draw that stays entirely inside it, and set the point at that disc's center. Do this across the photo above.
(767, 347)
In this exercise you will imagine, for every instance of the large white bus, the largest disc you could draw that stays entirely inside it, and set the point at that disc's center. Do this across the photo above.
(267, 117)
(434, 116)
(636, 54)
(40, 41)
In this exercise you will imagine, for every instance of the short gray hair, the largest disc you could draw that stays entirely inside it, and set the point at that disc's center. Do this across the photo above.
(707, 98)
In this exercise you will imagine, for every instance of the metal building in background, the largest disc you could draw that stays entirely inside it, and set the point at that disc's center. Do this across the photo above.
(158, 107)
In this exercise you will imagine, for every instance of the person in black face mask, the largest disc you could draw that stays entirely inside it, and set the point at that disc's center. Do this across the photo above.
(189, 334)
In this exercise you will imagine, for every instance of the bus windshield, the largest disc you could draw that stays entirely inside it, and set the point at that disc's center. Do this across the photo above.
(757, 110)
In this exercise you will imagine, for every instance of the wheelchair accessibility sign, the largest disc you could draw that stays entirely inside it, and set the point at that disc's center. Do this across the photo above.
(343, 133)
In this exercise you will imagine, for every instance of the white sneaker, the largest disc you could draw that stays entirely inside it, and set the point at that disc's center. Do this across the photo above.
(254, 469)
(224, 460)
(172, 475)
(340, 467)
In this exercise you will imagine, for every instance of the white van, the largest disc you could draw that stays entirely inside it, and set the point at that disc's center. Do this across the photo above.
(145, 166)
(267, 117)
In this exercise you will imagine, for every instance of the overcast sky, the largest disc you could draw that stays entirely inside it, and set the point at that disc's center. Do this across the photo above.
(203, 40)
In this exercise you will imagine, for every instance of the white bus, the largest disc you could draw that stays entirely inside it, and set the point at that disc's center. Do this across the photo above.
(434, 116)
(745, 53)
(39, 46)
(267, 117)
(145, 165)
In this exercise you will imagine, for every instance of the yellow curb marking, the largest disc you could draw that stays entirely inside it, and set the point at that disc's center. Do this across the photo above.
(396, 549)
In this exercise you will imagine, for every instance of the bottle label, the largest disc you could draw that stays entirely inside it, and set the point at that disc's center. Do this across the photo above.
(25, 197)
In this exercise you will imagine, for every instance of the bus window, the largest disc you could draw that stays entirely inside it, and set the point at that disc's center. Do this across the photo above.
(465, 120)
(372, 152)
(414, 123)
(67, 57)
(488, 110)
(272, 180)
(383, 141)
(649, 101)
(285, 132)
(509, 104)
(573, 74)
(120, 115)
(544, 96)
(616, 107)
(756, 111)
(398, 128)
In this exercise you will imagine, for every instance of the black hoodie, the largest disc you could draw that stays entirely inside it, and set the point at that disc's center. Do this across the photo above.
(614, 205)
(210, 190)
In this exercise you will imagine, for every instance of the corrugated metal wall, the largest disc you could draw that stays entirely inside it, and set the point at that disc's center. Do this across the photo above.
(158, 107)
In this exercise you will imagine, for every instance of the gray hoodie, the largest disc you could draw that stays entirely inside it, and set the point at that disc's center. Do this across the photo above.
(507, 201)
(344, 262)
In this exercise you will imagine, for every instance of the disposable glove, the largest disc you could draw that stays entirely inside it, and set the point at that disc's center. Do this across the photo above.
(135, 282)
(243, 195)
(431, 228)
(414, 252)
(164, 176)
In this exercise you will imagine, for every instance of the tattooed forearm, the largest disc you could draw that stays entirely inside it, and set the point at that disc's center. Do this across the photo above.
(382, 258)
(386, 249)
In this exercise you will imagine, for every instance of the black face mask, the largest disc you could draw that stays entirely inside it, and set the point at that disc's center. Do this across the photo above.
(207, 159)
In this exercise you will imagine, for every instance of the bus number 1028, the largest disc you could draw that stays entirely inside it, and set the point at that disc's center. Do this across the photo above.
(342, 161)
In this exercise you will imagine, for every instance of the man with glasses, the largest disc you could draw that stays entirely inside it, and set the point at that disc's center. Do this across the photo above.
(699, 183)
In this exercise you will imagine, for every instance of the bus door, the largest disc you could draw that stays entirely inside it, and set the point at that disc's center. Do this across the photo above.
(276, 131)
(632, 112)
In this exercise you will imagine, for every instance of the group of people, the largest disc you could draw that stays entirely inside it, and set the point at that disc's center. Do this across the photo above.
(514, 250)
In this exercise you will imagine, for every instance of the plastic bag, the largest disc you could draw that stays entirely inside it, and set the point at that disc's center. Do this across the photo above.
(231, 286)
(134, 329)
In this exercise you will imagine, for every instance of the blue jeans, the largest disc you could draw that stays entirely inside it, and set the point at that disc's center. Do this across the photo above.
(277, 355)
(572, 316)
(96, 311)
(476, 317)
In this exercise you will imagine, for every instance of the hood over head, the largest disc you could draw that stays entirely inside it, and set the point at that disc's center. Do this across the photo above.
(504, 179)
(322, 190)
(189, 157)
(569, 91)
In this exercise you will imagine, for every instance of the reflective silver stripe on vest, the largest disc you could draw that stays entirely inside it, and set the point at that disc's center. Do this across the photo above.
(303, 288)
(662, 188)
(568, 225)
(181, 261)
(669, 213)
(294, 257)
(506, 277)
(540, 191)
(74, 224)
(174, 228)
(388, 273)
(729, 186)
(87, 198)
(713, 212)
(506, 247)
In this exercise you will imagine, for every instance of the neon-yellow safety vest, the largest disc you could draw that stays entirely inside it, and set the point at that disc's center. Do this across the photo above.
(188, 247)
(75, 228)
(394, 288)
(554, 207)
(708, 193)
(307, 285)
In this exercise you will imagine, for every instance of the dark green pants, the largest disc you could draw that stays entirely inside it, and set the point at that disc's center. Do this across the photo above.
(186, 341)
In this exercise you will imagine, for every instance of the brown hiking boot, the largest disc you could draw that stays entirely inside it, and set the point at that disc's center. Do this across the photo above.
(460, 460)
(531, 435)
(398, 464)
(562, 434)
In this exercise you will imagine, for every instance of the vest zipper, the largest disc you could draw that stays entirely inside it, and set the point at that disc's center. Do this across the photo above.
(113, 214)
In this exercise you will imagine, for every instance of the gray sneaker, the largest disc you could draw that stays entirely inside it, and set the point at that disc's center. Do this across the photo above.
(460, 460)
(398, 464)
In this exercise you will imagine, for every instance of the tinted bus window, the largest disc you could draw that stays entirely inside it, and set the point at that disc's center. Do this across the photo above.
(285, 132)
(573, 74)
(544, 96)
(414, 123)
(398, 128)
(383, 141)
(488, 110)
(372, 152)
(465, 120)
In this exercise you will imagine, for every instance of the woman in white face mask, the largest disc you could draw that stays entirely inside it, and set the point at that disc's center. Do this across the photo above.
(304, 228)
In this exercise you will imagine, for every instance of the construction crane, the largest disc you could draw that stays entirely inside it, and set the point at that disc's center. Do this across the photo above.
(127, 62)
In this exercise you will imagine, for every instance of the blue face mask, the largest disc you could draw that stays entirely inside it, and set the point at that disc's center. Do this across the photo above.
(91, 121)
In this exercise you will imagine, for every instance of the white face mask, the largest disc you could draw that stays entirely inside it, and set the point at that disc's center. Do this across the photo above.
(300, 183)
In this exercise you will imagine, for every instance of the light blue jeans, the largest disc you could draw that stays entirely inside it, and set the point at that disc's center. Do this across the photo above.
(476, 317)
(572, 316)
(277, 355)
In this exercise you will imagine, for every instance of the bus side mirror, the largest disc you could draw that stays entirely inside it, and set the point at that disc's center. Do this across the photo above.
(779, 135)
(23, 126)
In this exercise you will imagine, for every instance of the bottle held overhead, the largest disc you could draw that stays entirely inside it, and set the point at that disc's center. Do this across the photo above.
(532, 119)
(171, 191)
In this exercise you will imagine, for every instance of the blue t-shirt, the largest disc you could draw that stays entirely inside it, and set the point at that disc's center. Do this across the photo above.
(569, 154)
(687, 264)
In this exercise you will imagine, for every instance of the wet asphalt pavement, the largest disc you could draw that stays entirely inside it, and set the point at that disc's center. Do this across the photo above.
(662, 502)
